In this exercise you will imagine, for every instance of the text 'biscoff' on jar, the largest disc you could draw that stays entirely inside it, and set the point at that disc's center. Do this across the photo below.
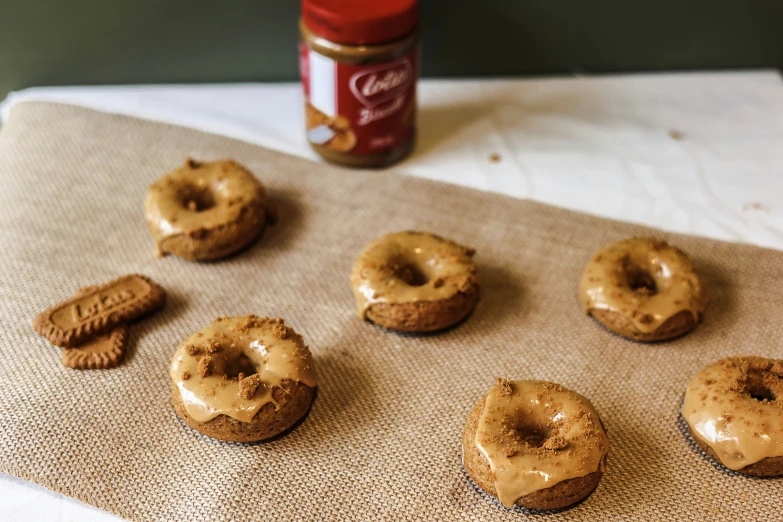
(359, 65)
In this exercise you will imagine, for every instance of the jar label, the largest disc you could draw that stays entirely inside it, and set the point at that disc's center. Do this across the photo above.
(359, 109)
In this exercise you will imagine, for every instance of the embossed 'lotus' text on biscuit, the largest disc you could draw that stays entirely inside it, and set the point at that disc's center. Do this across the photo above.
(105, 303)
(102, 302)
(96, 310)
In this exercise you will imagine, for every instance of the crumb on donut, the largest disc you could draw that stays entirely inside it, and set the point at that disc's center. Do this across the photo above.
(510, 448)
(205, 366)
(506, 389)
(511, 439)
(280, 330)
(248, 386)
(556, 387)
(252, 321)
(185, 376)
(211, 347)
(556, 443)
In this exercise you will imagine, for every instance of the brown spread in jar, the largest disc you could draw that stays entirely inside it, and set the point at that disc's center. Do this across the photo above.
(359, 64)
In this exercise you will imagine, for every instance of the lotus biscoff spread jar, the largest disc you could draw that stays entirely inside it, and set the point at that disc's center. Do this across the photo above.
(359, 65)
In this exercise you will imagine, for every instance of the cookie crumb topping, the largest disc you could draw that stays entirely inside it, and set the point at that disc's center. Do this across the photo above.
(506, 388)
(555, 443)
(280, 330)
(211, 347)
(205, 366)
(248, 386)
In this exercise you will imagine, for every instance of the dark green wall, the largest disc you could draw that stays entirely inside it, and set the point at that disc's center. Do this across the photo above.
(48, 42)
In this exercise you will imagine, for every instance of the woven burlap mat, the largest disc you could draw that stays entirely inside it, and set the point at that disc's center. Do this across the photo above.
(382, 440)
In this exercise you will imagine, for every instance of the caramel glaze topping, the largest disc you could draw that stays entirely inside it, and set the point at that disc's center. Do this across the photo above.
(407, 267)
(535, 434)
(199, 197)
(735, 406)
(231, 367)
(644, 279)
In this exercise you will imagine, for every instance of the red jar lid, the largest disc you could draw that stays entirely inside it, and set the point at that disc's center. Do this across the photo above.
(358, 22)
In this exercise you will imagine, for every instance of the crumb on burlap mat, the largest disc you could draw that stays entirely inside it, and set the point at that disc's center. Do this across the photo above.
(382, 440)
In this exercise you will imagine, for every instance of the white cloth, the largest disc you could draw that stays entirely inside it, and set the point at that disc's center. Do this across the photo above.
(697, 153)
(600, 145)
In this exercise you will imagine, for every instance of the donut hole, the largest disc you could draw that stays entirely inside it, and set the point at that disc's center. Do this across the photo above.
(534, 435)
(411, 274)
(762, 386)
(237, 365)
(641, 281)
(197, 198)
(761, 393)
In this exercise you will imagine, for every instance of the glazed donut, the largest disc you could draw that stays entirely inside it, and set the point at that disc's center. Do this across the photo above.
(243, 379)
(643, 289)
(204, 211)
(415, 282)
(535, 444)
(734, 410)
